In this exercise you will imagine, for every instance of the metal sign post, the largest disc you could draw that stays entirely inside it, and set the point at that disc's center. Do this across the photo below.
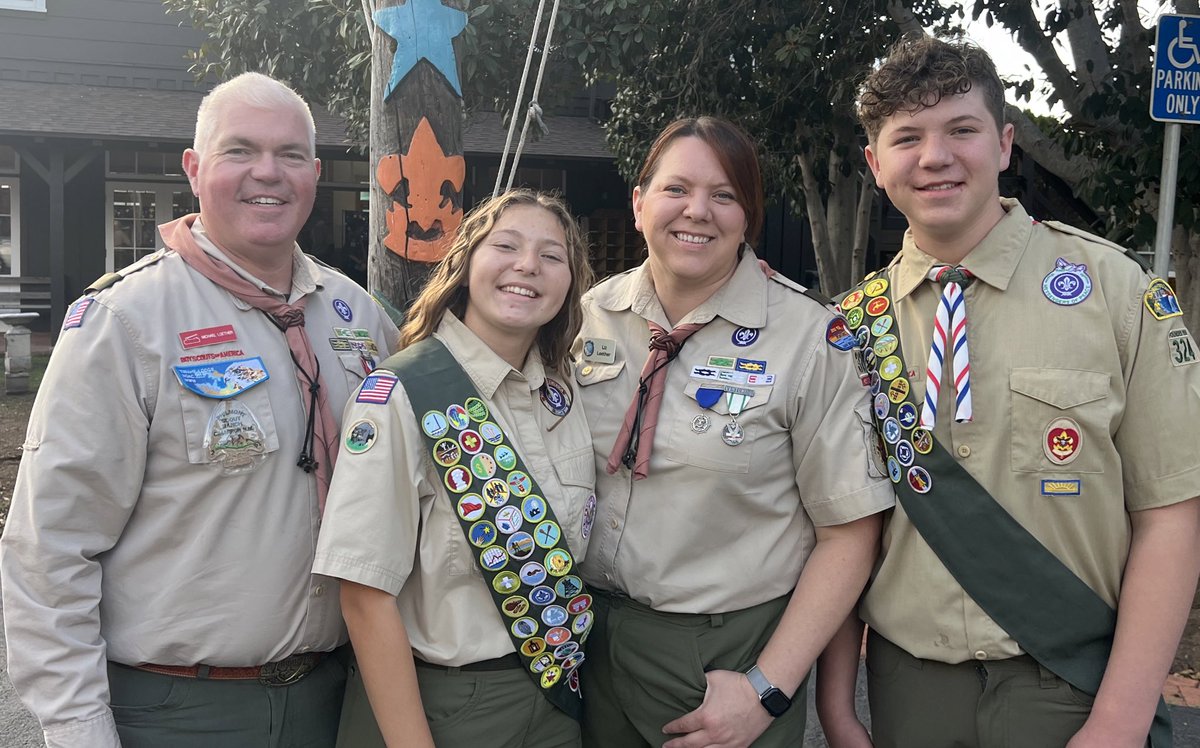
(1175, 99)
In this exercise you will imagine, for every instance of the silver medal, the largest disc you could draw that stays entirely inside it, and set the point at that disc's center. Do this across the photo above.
(732, 434)
(701, 423)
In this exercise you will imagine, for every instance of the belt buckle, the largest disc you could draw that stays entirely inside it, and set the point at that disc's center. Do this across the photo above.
(287, 671)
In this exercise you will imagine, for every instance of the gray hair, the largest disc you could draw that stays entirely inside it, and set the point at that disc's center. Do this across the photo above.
(253, 89)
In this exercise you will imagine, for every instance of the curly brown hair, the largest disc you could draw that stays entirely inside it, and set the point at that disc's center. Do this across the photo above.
(919, 71)
(446, 288)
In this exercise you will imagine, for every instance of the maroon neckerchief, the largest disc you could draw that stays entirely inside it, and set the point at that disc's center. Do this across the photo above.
(635, 453)
(289, 318)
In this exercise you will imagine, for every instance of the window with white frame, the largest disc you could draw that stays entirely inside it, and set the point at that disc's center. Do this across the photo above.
(38, 6)
(10, 226)
(134, 212)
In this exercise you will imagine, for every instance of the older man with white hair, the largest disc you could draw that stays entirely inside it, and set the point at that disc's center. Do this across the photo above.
(156, 559)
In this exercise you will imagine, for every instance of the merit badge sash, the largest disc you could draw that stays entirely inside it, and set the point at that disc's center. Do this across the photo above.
(1055, 617)
(521, 549)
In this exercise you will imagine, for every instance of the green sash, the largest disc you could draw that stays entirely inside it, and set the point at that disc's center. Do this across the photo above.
(1055, 617)
(522, 552)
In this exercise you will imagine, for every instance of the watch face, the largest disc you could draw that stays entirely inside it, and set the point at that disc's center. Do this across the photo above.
(775, 702)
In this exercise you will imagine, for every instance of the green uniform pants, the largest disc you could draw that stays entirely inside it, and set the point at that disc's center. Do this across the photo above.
(1013, 703)
(645, 669)
(496, 709)
(153, 710)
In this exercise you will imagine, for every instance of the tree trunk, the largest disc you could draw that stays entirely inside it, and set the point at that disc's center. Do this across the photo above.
(416, 154)
(814, 208)
(862, 225)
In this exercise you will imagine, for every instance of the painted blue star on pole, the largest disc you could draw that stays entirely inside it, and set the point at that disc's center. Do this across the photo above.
(437, 25)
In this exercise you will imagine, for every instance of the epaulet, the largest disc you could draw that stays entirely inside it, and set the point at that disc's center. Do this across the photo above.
(325, 265)
(816, 296)
(109, 279)
(1088, 236)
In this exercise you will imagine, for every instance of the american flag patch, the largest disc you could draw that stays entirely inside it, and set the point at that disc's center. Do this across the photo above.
(76, 312)
(377, 389)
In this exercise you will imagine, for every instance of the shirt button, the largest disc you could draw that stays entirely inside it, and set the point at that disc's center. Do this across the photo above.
(980, 655)
(318, 590)
(614, 524)
(305, 648)
(585, 370)
(964, 450)
(607, 577)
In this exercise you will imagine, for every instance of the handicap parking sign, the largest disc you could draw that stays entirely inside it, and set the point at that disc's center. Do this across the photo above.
(1176, 91)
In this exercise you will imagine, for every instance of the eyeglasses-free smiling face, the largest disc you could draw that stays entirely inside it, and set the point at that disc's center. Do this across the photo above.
(940, 166)
(690, 217)
(518, 276)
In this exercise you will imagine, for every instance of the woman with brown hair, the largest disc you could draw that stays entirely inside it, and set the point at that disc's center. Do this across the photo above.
(738, 518)
(465, 496)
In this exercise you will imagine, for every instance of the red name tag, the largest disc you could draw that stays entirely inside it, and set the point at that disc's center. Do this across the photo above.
(207, 336)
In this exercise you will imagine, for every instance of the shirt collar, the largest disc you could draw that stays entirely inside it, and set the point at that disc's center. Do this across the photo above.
(305, 273)
(742, 300)
(993, 260)
(483, 365)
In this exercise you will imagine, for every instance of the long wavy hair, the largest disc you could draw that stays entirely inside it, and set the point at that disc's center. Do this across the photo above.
(446, 288)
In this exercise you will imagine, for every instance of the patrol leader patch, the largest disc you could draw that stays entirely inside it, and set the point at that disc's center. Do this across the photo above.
(76, 312)
(377, 389)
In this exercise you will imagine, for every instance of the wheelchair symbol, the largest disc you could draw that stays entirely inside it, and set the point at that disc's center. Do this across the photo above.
(1185, 44)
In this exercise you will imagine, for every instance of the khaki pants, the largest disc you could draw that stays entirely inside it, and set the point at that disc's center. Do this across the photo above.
(154, 710)
(1013, 703)
(645, 669)
(496, 709)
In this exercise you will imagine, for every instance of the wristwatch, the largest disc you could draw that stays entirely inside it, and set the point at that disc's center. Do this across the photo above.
(772, 699)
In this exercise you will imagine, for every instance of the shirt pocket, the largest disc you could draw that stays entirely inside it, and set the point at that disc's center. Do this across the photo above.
(592, 376)
(201, 413)
(353, 368)
(576, 472)
(690, 445)
(1060, 401)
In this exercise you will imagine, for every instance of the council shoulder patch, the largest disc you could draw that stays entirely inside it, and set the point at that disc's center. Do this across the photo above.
(1161, 301)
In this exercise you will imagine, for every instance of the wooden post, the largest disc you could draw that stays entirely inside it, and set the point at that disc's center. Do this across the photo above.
(416, 157)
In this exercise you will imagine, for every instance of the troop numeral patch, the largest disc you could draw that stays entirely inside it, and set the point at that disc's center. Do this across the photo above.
(1182, 347)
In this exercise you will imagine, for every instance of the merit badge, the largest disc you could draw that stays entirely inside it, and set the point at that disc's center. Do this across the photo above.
(853, 299)
(483, 466)
(898, 390)
(343, 310)
(1062, 441)
(579, 604)
(1067, 284)
(1161, 301)
(854, 317)
(551, 675)
(509, 519)
(906, 414)
(864, 335)
(471, 441)
(506, 582)
(838, 334)
(919, 480)
(599, 350)
(554, 397)
(222, 379)
(476, 409)
(493, 558)
(234, 440)
(568, 587)
(566, 650)
(904, 453)
(885, 345)
(75, 314)
(457, 416)
(360, 436)
(520, 547)
(534, 508)
(543, 662)
(554, 615)
(573, 661)
(881, 325)
(890, 368)
(482, 534)
(491, 433)
(582, 623)
(875, 287)
(891, 430)
(744, 336)
(446, 452)
(515, 606)
(470, 507)
(207, 336)
(1182, 347)
(505, 457)
(547, 533)
(589, 516)
(557, 636)
(458, 479)
(894, 471)
(878, 306)
(377, 389)
(533, 647)
(881, 406)
(519, 483)
(558, 562)
(495, 492)
(1061, 487)
(533, 573)
(701, 423)
(922, 441)
(541, 596)
(434, 424)
(522, 628)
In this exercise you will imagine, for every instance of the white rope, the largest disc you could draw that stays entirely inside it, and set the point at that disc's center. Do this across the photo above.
(512, 123)
(535, 110)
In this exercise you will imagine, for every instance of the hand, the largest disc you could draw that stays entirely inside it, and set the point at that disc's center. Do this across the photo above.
(848, 733)
(1093, 735)
(729, 717)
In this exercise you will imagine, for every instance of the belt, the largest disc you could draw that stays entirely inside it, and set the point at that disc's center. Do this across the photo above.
(507, 662)
(284, 672)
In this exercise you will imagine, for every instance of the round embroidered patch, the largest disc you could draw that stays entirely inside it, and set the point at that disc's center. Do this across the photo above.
(343, 310)
(1067, 284)
(360, 436)
(476, 410)
(744, 336)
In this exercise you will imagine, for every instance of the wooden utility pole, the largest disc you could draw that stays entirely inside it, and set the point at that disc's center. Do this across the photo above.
(417, 165)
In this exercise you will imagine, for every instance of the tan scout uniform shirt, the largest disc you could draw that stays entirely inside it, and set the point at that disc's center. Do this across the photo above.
(390, 524)
(1104, 362)
(124, 540)
(715, 528)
